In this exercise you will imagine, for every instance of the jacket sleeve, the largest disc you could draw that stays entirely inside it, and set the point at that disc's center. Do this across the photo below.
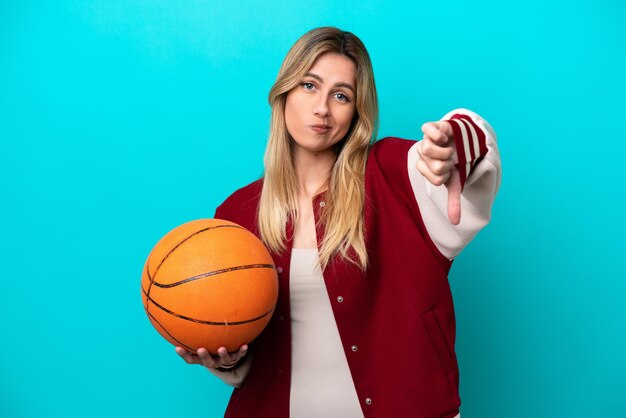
(480, 171)
(234, 377)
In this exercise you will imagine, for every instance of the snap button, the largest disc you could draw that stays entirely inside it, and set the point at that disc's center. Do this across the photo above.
(281, 318)
(322, 204)
(279, 269)
(339, 299)
(354, 348)
(368, 401)
(279, 372)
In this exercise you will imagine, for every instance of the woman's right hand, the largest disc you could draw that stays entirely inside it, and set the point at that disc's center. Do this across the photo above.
(224, 359)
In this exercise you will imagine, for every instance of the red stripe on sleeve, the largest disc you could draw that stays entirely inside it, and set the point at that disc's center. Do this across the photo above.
(475, 155)
(457, 134)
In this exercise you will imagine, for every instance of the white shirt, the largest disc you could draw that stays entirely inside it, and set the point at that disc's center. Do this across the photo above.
(321, 383)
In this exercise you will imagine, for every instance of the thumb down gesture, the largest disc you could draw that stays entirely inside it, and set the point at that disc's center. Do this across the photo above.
(437, 163)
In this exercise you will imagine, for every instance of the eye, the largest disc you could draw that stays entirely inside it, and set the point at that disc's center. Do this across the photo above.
(342, 97)
(307, 86)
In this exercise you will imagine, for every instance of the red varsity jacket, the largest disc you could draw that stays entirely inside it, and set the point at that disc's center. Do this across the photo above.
(401, 305)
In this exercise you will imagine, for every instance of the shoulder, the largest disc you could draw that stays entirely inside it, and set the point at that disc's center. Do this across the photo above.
(390, 149)
(389, 154)
(386, 173)
(242, 203)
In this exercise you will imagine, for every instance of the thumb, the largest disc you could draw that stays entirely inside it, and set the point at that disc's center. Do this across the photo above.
(445, 127)
(454, 197)
(439, 132)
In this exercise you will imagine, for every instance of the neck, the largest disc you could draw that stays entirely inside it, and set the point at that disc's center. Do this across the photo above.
(312, 170)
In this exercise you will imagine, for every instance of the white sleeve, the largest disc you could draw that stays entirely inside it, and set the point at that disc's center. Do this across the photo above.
(234, 377)
(481, 172)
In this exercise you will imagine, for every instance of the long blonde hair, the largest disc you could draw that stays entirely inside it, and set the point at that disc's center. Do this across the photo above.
(342, 216)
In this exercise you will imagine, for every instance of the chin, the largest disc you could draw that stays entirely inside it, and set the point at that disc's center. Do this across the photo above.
(314, 149)
(309, 143)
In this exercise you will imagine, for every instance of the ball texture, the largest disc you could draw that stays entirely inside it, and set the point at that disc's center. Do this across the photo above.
(209, 283)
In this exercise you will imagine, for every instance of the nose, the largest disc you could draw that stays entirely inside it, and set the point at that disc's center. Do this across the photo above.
(321, 108)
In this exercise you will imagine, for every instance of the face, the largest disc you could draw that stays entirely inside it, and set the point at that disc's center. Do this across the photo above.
(319, 110)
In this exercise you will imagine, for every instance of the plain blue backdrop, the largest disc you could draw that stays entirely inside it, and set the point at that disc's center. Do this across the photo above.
(120, 120)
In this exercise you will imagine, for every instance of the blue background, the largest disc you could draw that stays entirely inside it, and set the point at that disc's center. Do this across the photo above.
(120, 120)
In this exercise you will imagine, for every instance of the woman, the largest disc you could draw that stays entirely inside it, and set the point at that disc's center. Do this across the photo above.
(363, 235)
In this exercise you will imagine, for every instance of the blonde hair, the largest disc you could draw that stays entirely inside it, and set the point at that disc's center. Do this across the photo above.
(342, 216)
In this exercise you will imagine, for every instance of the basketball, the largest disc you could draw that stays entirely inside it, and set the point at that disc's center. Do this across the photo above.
(209, 283)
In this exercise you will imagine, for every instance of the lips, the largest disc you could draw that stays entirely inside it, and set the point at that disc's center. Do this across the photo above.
(320, 129)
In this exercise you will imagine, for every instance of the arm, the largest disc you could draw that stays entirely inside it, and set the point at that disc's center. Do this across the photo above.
(477, 164)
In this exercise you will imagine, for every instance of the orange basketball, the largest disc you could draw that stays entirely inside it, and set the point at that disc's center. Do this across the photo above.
(209, 283)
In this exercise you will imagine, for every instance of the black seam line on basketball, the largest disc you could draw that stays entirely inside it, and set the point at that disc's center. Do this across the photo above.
(189, 237)
(200, 321)
(214, 273)
(152, 277)
(168, 333)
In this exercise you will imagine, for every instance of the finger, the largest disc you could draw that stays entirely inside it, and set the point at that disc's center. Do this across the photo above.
(242, 350)
(440, 132)
(235, 357)
(439, 167)
(454, 197)
(206, 359)
(188, 357)
(435, 179)
(225, 357)
(428, 148)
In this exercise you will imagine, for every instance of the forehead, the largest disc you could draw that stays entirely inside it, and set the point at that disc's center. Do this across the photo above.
(334, 68)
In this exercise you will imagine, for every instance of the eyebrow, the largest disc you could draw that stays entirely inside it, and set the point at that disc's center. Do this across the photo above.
(340, 84)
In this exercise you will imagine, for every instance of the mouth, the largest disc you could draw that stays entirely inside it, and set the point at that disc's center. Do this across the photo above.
(320, 129)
